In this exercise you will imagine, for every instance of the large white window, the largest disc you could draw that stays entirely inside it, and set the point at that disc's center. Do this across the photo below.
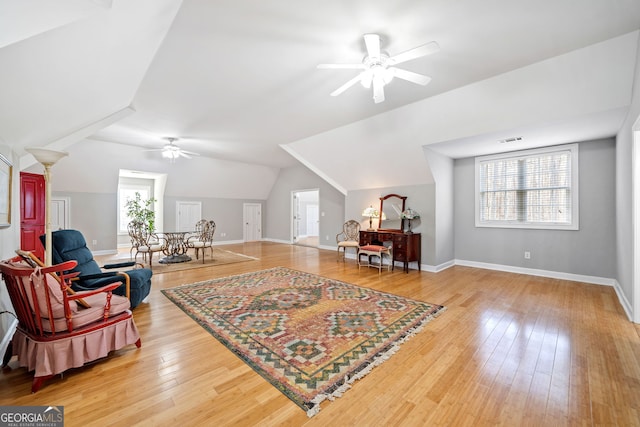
(528, 189)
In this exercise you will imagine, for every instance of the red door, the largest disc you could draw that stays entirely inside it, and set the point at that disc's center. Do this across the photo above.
(32, 223)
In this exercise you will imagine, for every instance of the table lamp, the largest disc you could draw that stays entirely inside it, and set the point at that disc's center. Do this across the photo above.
(410, 214)
(370, 213)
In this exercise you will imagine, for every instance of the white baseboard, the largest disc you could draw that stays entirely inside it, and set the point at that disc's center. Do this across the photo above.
(542, 273)
(437, 268)
(328, 248)
(286, 242)
(227, 242)
(624, 302)
(105, 252)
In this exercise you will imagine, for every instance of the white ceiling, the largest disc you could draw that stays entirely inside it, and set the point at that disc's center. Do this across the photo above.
(237, 80)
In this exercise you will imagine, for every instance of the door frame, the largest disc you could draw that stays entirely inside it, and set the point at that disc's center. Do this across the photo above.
(294, 193)
(635, 221)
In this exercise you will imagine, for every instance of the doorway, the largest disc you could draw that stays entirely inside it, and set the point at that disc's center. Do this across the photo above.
(306, 217)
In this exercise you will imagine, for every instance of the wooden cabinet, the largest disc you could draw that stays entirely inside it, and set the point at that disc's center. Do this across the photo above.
(406, 247)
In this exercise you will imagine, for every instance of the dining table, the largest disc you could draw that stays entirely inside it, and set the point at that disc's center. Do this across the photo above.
(175, 247)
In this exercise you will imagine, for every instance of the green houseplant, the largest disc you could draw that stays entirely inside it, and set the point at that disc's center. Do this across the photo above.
(140, 210)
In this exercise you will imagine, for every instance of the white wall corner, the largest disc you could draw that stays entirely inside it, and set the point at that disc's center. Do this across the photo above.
(624, 302)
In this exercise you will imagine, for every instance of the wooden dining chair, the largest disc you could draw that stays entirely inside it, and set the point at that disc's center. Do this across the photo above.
(348, 238)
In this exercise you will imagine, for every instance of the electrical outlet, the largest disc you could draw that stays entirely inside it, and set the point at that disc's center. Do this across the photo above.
(94, 242)
(527, 255)
(326, 237)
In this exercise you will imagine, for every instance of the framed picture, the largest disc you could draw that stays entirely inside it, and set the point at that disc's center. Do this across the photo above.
(5, 191)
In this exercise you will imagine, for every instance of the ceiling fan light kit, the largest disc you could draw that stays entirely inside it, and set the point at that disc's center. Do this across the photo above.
(379, 68)
(172, 152)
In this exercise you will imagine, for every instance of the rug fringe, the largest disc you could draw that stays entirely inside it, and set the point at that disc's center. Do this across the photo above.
(376, 361)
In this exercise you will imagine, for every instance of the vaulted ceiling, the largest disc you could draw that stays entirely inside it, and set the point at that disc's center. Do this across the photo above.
(237, 80)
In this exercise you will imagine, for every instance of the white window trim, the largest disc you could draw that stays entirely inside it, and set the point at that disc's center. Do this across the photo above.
(134, 187)
(574, 225)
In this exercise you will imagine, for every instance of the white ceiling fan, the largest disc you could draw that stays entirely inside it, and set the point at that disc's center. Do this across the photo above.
(379, 68)
(172, 152)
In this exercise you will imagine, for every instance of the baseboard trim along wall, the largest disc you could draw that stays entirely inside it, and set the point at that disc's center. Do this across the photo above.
(535, 272)
(286, 242)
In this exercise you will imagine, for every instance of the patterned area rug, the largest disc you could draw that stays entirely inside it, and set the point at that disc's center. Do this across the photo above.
(309, 336)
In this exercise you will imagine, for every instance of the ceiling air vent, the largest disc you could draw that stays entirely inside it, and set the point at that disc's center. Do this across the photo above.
(507, 140)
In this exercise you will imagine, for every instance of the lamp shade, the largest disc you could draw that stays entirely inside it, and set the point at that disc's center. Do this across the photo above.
(45, 156)
(370, 212)
(410, 214)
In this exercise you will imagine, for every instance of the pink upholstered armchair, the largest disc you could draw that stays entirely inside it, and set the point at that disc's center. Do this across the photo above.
(59, 329)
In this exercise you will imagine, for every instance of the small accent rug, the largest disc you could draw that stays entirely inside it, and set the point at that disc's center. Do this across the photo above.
(309, 336)
(219, 257)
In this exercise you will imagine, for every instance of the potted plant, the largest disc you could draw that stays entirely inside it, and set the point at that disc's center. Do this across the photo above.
(140, 210)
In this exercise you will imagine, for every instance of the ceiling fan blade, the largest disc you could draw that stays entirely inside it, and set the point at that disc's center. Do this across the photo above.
(347, 85)
(411, 76)
(183, 154)
(341, 66)
(373, 45)
(191, 153)
(378, 91)
(366, 78)
(416, 52)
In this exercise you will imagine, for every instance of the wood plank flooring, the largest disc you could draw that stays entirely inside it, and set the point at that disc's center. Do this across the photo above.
(510, 350)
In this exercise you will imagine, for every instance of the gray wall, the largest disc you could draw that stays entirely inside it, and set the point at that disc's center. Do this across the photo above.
(278, 210)
(95, 215)
(590, 251)
(227, 214)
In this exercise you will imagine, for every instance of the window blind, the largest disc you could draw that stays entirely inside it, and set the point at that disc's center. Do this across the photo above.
(527, 188)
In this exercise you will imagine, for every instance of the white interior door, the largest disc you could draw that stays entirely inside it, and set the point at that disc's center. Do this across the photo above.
(187, 215)
(252, 217)
(313, 220)
(59, 215)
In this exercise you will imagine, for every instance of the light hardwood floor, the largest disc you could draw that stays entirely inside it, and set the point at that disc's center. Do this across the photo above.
(510, 350)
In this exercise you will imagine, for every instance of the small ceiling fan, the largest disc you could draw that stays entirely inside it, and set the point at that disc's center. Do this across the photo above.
(379, 68)
(172, 152)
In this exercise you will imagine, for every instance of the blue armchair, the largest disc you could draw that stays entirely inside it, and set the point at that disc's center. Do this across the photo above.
(69, 245)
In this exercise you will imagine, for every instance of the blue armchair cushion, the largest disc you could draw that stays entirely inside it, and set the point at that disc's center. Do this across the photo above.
(71, 245)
